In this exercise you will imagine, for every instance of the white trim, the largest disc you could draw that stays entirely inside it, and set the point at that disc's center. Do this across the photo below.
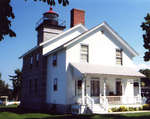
(124, 43)
(121, 40)
(63, 33)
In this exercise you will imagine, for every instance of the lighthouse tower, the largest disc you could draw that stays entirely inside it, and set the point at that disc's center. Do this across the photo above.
(49, 26)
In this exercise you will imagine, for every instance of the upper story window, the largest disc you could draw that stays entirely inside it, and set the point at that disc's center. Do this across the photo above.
(84, 53)
(54, 59)
(37, 59)
(119, 57)
(31, 62)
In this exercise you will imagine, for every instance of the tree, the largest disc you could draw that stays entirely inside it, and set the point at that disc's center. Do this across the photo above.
(16, 81)
(7, 15)
(146, 80)
(4, 88)
(146, 27)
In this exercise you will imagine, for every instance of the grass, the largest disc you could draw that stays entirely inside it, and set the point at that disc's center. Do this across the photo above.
(10, 115)
(9, 106)
(11, 112)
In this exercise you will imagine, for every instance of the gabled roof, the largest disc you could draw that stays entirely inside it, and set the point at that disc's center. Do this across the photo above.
(63, 33)
(106, 26)
(29, 51)
(53, 38)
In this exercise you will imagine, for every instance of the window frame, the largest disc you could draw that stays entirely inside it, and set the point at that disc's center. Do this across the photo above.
(119, 91)
(30, 86)
(84, 53)
(31, 62)
(54, 59)
(35, 86)
(120, 57)
(95, 86)
(37, 59)
(55, 85)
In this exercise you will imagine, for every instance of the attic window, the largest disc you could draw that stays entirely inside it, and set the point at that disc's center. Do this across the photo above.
(54, 59)
(84, 53)
(119, 57)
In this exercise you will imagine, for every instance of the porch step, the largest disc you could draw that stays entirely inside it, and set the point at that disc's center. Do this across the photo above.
(98, 109)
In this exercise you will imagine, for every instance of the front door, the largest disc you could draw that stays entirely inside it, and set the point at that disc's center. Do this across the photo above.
(95, 90)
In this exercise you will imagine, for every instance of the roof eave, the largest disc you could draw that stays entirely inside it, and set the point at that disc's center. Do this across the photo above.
(29, 51)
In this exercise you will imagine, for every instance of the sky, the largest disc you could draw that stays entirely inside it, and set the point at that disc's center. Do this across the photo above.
(124, 16)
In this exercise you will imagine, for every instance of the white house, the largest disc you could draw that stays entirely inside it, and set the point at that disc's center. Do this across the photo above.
(79, 69)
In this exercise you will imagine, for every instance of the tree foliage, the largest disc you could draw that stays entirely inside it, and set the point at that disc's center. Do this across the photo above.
(146, 27)
(7, 15)
(16, 81)
(4, 88)
(146, 80)
(53, 2)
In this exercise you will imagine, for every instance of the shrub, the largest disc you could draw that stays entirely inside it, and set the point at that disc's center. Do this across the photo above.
(141, 108)
(132, 109)
(110, 110)
(114, 109)
(146, 107)
(122, 108)
(137, 109)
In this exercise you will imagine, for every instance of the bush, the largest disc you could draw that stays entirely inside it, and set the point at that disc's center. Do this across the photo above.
(122, 109)
(114, 109)
(141, 108)
(146, 107)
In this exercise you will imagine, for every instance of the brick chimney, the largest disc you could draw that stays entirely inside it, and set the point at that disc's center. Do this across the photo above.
(77, 17)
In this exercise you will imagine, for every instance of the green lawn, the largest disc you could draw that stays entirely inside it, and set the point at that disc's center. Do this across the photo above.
(12, 112)
(9, 106)
(10, 115)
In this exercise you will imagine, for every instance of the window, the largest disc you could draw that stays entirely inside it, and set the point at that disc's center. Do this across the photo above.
(37, 59)
(136, 84)
(118, 56)
(30, 86)
(55, 59)
(95, 90)
(31, 62)
(78, 89)
(55, 85)
(118, 88)
(35, 86)
(84, 53)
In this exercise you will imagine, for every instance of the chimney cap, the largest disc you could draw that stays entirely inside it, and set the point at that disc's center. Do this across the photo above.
(77, 10)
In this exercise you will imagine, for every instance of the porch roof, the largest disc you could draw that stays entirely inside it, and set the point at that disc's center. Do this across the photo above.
(86, 68)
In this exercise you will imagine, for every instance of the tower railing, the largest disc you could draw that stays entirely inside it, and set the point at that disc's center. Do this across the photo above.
(60, 21)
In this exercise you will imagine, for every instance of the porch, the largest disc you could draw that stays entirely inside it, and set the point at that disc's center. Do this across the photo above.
(105, 90)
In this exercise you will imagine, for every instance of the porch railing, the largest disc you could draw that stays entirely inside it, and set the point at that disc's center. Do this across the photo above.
(89, 102)
(118, 100)
(104, 102)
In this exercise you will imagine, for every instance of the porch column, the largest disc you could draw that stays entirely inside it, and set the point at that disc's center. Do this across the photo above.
(104, 87)
(139, 81)
(83, 87)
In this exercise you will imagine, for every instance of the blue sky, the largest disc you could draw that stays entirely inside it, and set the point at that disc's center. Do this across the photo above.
(124, 16)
